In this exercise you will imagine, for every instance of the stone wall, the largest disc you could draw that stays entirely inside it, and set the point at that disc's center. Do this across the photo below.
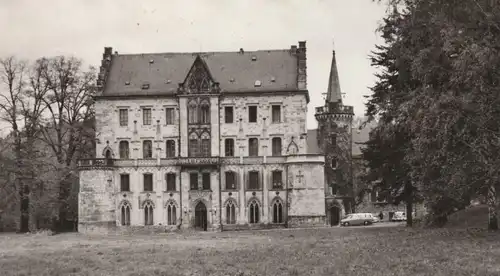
(96, 201)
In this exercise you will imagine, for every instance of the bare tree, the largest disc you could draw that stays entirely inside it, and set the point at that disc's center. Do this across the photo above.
(69, 107)
(12, 77)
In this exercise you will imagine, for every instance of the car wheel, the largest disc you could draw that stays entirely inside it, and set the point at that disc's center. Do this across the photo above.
(367, 223)
(346, 223)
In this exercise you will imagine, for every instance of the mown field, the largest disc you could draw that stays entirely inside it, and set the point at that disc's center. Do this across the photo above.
(330, 251)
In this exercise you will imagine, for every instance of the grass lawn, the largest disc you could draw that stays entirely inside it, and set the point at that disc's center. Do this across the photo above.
(329, 251)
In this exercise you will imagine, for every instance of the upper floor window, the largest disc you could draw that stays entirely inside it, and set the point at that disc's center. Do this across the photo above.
(147, 149)
(276, 113)
(228, 114)
(124, 150)
(205, 147)
(253, 147)
(192, 113)
(170, 178)
(229, 147)
(277, 179)
(252, 114)
(148, 182)
(276, 146)
(169, 116)
(206, 181)
(124, 183)
(170, 148)
(230, 180)
(146, 116)
(193, 181)
(253, 180)
(123, 117)
(205, 114)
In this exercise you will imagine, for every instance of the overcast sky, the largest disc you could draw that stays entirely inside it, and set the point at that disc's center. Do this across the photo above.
(35, 28)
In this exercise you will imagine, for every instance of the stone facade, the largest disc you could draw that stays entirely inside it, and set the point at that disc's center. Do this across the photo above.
(211, 156)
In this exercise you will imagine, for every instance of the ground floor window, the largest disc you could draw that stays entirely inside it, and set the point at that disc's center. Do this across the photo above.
(278, 211)
(254, 212)
(171, 214)
(125, 212)
(148, 214)
(231, 213)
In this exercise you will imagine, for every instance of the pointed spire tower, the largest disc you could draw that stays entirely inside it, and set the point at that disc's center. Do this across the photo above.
(335, 140)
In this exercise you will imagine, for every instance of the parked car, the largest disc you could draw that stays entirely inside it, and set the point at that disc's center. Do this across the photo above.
(358, 219)
(399, 216)
(375, 218)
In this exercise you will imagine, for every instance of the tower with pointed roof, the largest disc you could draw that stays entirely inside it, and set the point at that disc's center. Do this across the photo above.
(334, 139)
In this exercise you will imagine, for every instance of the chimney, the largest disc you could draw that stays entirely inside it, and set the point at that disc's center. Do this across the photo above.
(293, 49)
(242, 51)
(301, 66)
(104, 69)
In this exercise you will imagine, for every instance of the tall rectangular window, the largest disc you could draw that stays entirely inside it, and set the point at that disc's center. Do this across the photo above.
(193, 147)
(206, 181)
(193, 181)
(228, 114)
(252, 114)
(170, 178)
(146, 116)
(169, 116)
(230, 180)
(253, 147)
(124, 183)
(124, 150)
(147, 149)
(229, 147)
(170, 148)
(253, 180)
(205, 147)
(276, 146)
(123, 117)
(148, 182)
(277, 179)
(276, 113)
(205, 114)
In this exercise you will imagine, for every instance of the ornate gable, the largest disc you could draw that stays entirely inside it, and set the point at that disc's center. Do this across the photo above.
(199, 80)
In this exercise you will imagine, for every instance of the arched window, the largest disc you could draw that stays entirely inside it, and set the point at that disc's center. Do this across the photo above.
(276, 146)
(171, 214)
(254, 212)
(205, 145)
(193, 146)
(278, 211)
(147, 149)
(124, 150)
(125, 212)
(230, 213)
(192, 113)
(148, 213)
(170, 148)
(205, 113)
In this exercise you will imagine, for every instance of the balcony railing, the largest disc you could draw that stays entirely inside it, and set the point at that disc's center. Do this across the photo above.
(186, 161)
(96, 162)
(335, 108)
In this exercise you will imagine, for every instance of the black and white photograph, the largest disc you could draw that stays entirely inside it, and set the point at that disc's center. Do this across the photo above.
(243, 138)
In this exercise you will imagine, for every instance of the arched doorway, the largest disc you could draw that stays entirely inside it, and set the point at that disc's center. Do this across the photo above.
(200, 216)
(334, 216)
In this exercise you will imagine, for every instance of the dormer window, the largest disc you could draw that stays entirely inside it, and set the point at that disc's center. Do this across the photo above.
(127, 83)
(145, 86)
(257, 83)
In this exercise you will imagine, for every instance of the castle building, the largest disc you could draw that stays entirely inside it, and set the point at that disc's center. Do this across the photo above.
(210, 141)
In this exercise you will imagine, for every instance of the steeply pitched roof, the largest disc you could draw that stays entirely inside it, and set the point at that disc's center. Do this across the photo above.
(235, 71)
(334, 94)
